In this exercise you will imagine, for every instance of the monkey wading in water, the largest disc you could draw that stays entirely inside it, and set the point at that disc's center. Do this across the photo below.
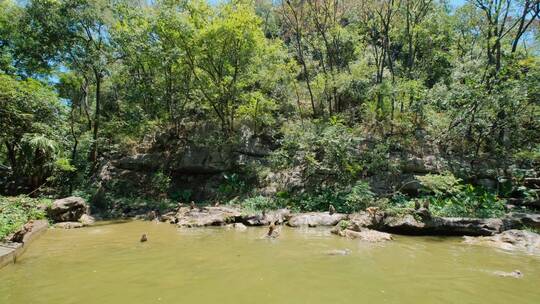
(272, 232)
(144, 238)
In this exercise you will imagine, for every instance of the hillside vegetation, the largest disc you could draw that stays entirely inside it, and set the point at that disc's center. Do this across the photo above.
(139, 105)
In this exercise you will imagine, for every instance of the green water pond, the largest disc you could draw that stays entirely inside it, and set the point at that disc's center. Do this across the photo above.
(106, 263)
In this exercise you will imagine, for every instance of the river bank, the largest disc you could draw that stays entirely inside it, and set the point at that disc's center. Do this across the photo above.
(371, 225)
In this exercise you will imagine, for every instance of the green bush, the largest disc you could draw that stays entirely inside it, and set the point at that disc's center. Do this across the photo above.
(160, 182)
(258, 203)
(447, 197)
(360, 197)
(16, 211)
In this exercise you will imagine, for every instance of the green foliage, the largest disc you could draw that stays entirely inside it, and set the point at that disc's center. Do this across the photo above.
(337, 100)
(181, 195)
(160, 182)
(457, 201)
(233, 184)
(346, 199)
(323, 152)
(32, 127)
(16, 211)
(360, 197)
(439, 184)
(470, 202)
(259, 203)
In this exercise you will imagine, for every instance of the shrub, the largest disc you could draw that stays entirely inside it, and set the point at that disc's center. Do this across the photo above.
(160, 182)
(360, 197)
(260, 202)
(16, 211)
(439, 184)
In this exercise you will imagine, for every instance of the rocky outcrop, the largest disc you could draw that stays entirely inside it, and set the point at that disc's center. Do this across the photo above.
(364, 234)
(68, 225)
(414, 225)
(237, 226)
(420, 222)
(69, 209)
(87, 220)
(11, 250)
(513, 240)
(315, 219)
(207, 216)
(520, 220)
(345, 251)
(277, 217)
(422, 165)
(192, 159)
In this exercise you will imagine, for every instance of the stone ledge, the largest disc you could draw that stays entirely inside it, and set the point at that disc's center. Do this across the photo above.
(9, 252)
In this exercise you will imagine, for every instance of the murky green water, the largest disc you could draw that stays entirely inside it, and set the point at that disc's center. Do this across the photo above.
(107, 264)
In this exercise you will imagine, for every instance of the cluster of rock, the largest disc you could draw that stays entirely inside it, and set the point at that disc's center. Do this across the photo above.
(221, 216)
(70, 212)
(513, 240)
(375, 225)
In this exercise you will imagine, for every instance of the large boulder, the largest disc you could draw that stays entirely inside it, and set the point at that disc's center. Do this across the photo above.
(422, 165)
(365, 219)
(69, 209)
(207, 216)
(364, 234)
(421, 222)
(68, 225)
(465, 226)
(87, 220)
(414, 224)
(521, 220)
(514, 240)
(263, 219)
(314, 219)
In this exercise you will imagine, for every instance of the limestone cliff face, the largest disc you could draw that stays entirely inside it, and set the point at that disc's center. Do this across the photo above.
(200, 167)
(197, 168)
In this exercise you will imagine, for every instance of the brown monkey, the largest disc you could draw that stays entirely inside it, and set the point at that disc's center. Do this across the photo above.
(416, 205)
(144, 238)
(331, 209)
(272, 232)
(18, 236)
(426, 204)
(372, 210)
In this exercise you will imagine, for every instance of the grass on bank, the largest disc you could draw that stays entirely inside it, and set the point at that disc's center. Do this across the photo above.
(16, 211)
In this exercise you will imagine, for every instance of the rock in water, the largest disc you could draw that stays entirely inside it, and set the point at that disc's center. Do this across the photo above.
(68, 225)
(87, 220)
(363, 234)
(513, 240)
(516, 274)
(314, 219)
(69, 209)
(208, 216)
(345, 251)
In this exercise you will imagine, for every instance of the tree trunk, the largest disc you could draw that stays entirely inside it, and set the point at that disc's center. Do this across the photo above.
(93, 156)
(11, 156)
